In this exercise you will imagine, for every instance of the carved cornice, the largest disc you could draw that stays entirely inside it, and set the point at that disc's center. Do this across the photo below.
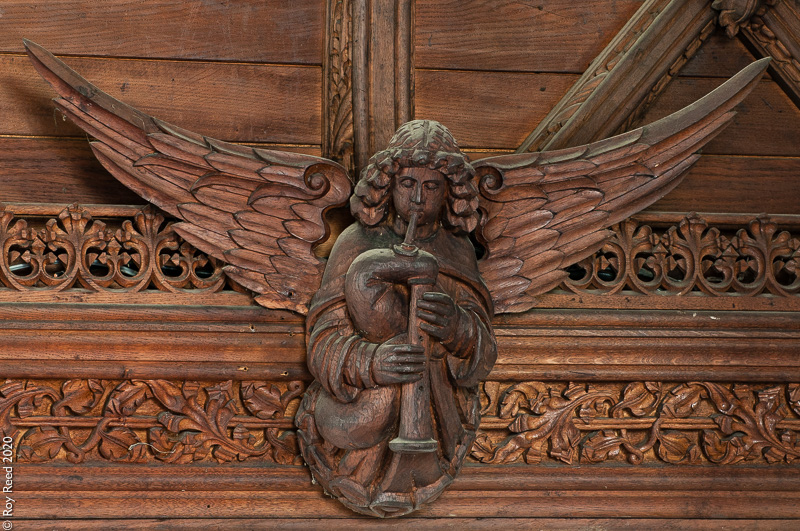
(775, 31)
(185, 422)
(74, 250)
(735, 13)
(135, 250)
(693, 257)
(657, 40)
(602, 65)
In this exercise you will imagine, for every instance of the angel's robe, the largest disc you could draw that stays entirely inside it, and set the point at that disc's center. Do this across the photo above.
(340, 358)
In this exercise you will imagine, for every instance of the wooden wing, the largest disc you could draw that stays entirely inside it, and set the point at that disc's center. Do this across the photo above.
(258, 210)
(542, 212)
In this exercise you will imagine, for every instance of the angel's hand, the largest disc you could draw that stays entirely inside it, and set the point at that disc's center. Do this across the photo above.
(397, 363)
(441, 317)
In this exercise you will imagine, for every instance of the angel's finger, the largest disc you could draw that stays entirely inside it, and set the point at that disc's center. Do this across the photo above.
(407, 348)
(436, 307)
(432, 318)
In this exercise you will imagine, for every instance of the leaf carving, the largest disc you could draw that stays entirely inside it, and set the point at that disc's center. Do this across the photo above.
(677, 448)
(41, 444)
(262, 400)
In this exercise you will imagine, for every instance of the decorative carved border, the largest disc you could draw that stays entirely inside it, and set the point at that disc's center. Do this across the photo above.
(184, 422)
(74, 250)
(674, 423)
(693, 257)
(337, 129)
(138, 421)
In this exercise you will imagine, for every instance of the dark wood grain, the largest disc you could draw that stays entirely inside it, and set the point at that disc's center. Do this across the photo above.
(488, 109)
(64, 170)
(500, 492)
(278, 31)
(720, 56)
(237, 102)
(753, 130)
(737, 184)
(544, 36)
(61, 170)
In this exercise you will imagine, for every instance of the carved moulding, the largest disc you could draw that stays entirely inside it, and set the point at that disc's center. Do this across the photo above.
(141, 421)
(74, 250)
(693, 257)
(675, 423)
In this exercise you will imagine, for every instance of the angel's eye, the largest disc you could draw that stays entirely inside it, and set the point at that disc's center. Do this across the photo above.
(431, 185)
(407, 183)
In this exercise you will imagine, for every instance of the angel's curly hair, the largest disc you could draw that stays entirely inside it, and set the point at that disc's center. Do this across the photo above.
(419, 143)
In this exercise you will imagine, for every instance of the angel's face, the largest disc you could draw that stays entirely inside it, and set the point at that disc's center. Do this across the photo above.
(419, 190)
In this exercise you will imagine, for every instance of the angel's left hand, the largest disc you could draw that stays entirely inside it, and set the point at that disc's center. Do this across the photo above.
(440, 316)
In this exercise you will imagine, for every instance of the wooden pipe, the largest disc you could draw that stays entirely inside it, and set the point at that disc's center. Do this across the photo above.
(415, 430)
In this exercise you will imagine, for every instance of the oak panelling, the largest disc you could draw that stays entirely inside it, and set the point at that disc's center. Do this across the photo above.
(766, 122)
(233, 341)
(720, 56)
(236, 102)
(480, 491)
(274, 31)
(721, 183)
(435, 524)
(64, 170)
(488, 109)
(542, 36)
(61, 170)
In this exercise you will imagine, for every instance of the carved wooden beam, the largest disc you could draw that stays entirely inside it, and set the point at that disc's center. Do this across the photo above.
(368, 80)
(657, 41)
(337, 84)
(383, 84)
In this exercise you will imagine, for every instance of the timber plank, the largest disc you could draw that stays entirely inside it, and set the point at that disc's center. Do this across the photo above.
(719, 56)
(64, 170)
(235, 102)
(488, 109)
(278, 31)
(542, 36)
(723, 183)
(766, 122)
(359, 523)
(601, 503)
(61, 170)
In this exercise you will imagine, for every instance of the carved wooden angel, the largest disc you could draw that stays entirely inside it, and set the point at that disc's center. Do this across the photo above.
(398, 327)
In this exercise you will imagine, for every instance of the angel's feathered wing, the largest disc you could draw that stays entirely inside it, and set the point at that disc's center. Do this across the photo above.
(543, 212)
(260, 211)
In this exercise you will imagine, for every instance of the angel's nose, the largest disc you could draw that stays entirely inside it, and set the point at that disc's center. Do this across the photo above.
(417, 197)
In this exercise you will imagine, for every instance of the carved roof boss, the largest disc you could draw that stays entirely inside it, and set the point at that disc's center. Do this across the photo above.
(398, 327)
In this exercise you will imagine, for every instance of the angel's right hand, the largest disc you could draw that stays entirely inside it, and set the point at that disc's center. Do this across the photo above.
(398, 363)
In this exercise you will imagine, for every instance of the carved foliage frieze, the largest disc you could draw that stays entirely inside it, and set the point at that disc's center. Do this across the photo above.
(693, 257)
(675, 423)
(139, 421)
(76, 251)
